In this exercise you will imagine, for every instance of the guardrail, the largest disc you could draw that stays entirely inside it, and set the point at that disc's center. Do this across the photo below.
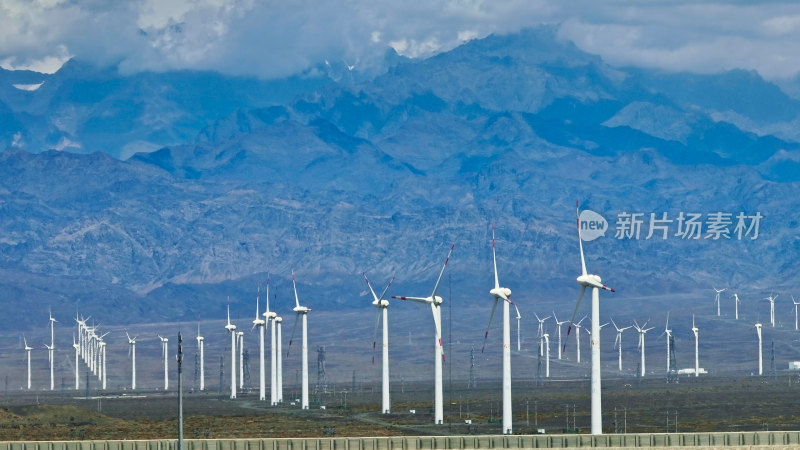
(755, 439)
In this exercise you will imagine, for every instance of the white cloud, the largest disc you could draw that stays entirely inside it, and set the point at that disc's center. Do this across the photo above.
(280, 37)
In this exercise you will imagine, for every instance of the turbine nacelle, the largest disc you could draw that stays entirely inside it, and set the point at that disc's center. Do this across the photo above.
(258, 322)
(270, 315)
(593, 281)
(230, 327)
(501, 292)
(278, 319)
(301, 309)
(380, 303)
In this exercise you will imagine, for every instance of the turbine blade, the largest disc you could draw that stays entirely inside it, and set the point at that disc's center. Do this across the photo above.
(413, 299)
(494, 259)
(580, 240)
(385, 289)
(370, 286)
(491, 316)
(296, 300)
(574, 313)
(436, 286)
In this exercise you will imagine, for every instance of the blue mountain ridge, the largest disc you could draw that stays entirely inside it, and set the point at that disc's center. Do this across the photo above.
(332, 178)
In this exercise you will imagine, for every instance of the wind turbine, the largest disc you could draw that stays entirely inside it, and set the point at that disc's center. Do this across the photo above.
(736, 304)
(200, 341)
(301, 311)
(164, 351)
(502, 293)
(52, 349)
(383, 310)
(595, 283)
(771, 309)
(540, 332)
(546, 338)
(77, 348)
(716, 299)
(232, 330)
(642, 331)
(795, 312)
(132, 354)
(436, 303)
(577, 337)
(668, 332)
(696, 349)
(558, 324)
(273, 383)
(28, 354)
(758, 331)
(618, 341)
(259, 323)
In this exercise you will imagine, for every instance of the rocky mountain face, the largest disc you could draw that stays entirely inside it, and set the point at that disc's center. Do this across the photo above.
(232, 178)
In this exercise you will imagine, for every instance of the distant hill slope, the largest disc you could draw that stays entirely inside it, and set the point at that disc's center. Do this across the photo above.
(239, 177)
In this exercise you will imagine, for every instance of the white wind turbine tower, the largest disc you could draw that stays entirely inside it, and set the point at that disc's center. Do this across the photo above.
(28, 354)
(540, 332)
(232, 330)
(668, 332)
(736, 304)
(132, 354)
(519, 319)
(696, 348)
(77, 348)
(618, 341)
(594, 282)
(502, 293)
(577, 338)
(383, 310)
(279, 357)
(558, 324)
(589, 332)
(52, 349)
(103, 358)
(436, 303)
(164, 352)
(758, 331)
(716, 299)
(200, 348)
(795, 312)
(771, 300)
(301, 311)
(270, 316)
(259, 323)
(546, 338)
(642, 331)
(240, 343)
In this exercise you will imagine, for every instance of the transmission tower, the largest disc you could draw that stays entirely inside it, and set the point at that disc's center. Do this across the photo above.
(772, 361)
(472, 383)
(221, 373)
(322, 376)
(246, 369)
(672, 375)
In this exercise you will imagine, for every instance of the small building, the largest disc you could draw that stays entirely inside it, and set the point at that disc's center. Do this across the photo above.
(794, 365)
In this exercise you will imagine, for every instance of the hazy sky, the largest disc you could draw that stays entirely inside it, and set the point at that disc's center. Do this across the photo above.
(272, 38)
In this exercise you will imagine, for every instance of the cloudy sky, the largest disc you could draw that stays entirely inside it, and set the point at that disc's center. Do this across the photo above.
(270, 38)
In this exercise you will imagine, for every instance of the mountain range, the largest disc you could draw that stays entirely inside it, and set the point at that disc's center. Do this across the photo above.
(157, 196)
